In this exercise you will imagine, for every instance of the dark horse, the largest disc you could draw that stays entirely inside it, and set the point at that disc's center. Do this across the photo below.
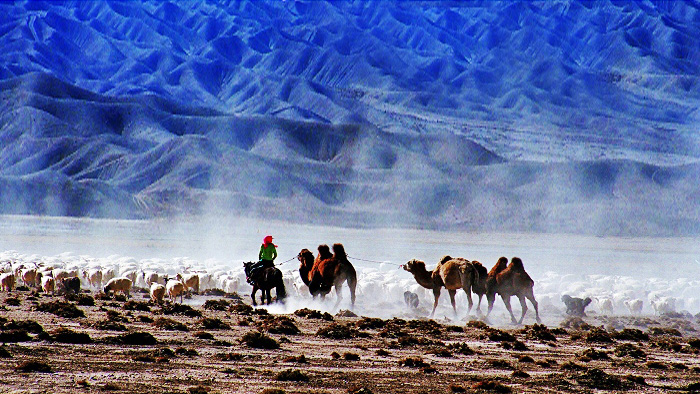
(266, 279)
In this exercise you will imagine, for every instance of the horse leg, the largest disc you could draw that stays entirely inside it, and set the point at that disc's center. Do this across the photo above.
(268, 294)
(436, 294)
(255, 290)
(506, 300)
(523, 305)
(452, 294)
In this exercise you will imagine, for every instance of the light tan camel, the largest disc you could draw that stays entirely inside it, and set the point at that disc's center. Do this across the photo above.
(511, 280)
(450, 273)
(328, 270)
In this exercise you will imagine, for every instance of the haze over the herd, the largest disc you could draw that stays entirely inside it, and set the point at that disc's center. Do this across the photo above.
(488, 116)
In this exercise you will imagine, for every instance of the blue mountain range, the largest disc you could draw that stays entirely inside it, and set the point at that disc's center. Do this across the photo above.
(566, 116)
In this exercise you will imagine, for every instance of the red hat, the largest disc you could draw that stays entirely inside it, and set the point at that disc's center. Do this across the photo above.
(267, 239)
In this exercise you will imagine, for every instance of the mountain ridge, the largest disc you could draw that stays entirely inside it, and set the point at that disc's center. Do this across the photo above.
(484, 115)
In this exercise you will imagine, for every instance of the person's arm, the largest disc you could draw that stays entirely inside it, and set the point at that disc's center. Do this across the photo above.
(274, 253)
(260, 255)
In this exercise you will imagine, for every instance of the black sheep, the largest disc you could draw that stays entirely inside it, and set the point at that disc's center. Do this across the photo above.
(71, 285)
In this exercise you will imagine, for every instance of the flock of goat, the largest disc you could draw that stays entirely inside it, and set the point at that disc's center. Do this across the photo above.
(51, 280)
(320, 274)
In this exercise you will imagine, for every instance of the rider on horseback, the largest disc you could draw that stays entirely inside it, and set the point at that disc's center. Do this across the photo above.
(267, 256)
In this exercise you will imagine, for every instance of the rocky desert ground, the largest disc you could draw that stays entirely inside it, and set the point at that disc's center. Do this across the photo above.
(91, 343)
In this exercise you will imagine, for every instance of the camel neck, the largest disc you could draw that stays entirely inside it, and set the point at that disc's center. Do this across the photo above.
(424, 278)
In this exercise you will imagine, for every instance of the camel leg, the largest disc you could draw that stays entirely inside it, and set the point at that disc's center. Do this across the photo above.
(469, 299)
(531, 297)
(338, 293)
(452, 294)
(478, 306)
(506, 300)
(523, 305)
(491, 298)
(436, 294)
(352, 284)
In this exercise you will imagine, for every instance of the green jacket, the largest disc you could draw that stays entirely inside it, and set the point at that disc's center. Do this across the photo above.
(267, 253)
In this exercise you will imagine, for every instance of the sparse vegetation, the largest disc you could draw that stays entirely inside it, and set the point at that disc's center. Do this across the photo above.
(337, 331)
(169, 324)
(259, 340)
(213, 324)
(61, 308)
(217, 305)
(33, 366)
(65, 335)
(133, 305)
(292, 375)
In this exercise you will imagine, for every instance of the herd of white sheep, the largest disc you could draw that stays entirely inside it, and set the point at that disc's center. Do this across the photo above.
(611, 295)
(117, 276)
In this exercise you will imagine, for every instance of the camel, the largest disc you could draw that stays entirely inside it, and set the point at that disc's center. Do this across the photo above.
(453, 274)
(479, 283)
(328, 270)
(510, 280)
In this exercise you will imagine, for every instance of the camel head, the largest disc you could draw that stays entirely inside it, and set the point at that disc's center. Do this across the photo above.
(339, 251)
(306, 258)
(414, 266)
(324, 252)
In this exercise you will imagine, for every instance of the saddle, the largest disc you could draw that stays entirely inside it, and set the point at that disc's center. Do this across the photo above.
(256, 269)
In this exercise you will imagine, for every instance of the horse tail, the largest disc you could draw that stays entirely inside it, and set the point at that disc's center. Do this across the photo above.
(280, 289)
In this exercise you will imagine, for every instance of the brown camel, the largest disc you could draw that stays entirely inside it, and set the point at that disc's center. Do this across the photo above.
(453, 274)
(479, 283)
(328, 270)
(511, 280)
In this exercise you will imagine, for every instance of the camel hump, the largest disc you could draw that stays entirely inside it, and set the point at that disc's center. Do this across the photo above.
(445, 259)
(339, 251)
(480, 269)
(324, 251)
(516, 265)
(501, 264)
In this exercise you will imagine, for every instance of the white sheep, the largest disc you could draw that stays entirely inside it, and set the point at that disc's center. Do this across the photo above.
(28, 276)
(107, 274)
(663, 305)
(48, 284)
(634, 306)
(151, 277)
(157, 292)
(605, 305)
(59, 273)
(191, 281)
(7, 281)
(175, 288)
(130, 274)
(118, 284)
(93, 277)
